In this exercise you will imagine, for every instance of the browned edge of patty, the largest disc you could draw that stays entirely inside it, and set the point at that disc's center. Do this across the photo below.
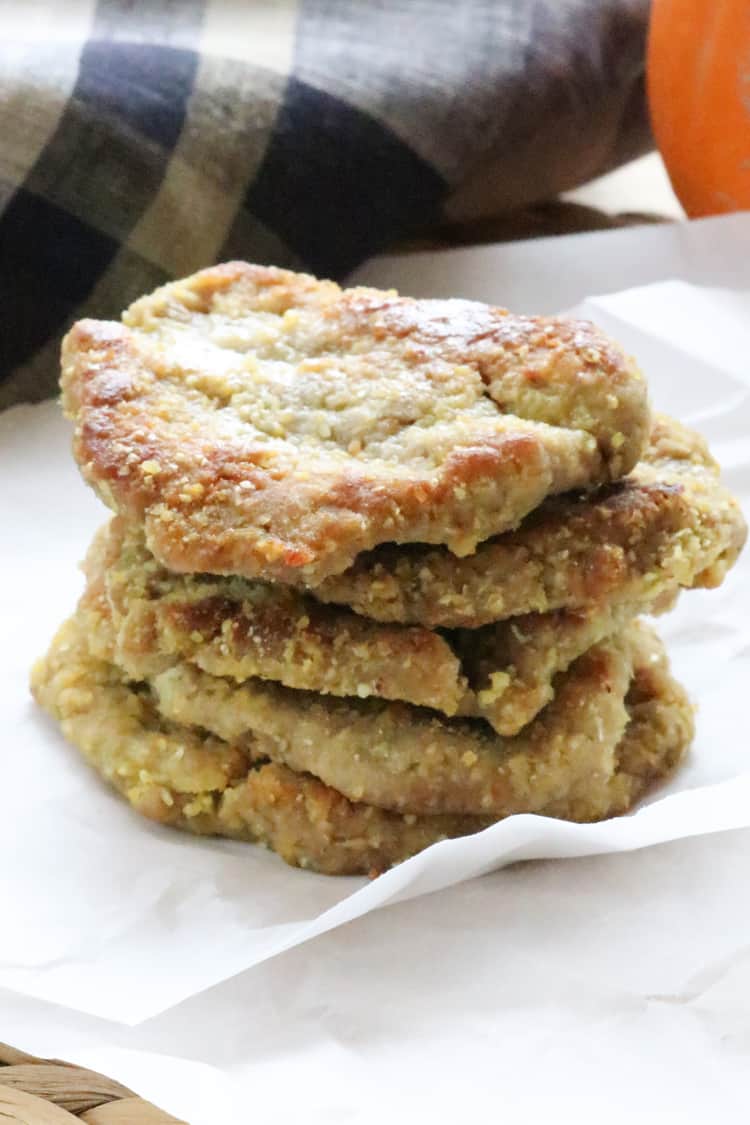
(572, 411)
(670, 521)
(184, 777)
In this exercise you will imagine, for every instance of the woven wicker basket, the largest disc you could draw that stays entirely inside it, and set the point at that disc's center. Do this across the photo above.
(37, 1091)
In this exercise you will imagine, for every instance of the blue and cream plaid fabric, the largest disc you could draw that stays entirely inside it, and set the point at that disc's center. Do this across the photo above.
(143, 139)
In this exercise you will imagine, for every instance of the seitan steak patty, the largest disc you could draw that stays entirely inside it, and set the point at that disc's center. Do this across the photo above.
(262, 423)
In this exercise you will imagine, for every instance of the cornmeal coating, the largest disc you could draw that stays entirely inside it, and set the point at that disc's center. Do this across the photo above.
(182, 776)
(514, 665)
(409, 759)
(669, 523)
(239, 628)
(259, 422)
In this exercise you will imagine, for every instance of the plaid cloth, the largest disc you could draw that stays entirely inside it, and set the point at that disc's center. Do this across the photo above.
(143, 139)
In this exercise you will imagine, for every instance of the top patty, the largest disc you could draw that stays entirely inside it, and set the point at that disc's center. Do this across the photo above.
(670, 522)
(263, 423)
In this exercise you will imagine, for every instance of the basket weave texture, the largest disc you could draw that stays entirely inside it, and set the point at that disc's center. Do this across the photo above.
(36, 1091)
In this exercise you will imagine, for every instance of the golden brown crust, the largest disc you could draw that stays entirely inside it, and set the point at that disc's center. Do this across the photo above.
(259, 422)
(669, 523)
(512, 667)
(184, 777)
(408, 759)
(405, 758)
(239, 629)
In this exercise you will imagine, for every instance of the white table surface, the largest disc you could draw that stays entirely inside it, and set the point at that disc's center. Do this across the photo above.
(611, 989)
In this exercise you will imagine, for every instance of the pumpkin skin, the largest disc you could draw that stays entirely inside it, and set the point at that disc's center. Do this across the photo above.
(699, 95)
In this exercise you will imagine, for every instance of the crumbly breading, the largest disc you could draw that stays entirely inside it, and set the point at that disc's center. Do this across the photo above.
(263, 423)
(409, 759)
(670, 522)
(182, 776)
(512, 667)
(239, 629)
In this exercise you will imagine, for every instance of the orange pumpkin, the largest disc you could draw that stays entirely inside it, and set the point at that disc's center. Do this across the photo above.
(699, 93)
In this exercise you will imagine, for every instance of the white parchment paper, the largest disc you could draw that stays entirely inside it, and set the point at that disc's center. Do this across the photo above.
(121, 919)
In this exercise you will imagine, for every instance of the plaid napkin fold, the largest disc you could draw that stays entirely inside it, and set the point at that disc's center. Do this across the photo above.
(143, 139)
